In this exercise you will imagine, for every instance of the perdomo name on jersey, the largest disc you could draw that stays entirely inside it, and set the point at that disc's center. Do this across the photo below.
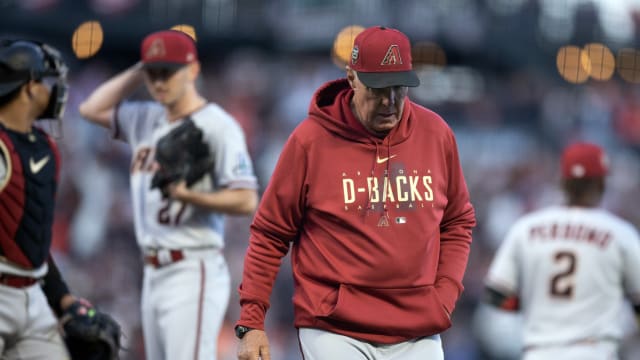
(570, 232)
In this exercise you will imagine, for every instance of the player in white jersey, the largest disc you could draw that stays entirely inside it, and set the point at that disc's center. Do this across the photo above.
(186, 281)
(569, 268)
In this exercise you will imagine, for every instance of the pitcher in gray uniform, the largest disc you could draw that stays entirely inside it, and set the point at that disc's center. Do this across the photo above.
(186, 280)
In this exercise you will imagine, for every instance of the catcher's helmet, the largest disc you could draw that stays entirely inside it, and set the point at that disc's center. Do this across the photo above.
(22, 61)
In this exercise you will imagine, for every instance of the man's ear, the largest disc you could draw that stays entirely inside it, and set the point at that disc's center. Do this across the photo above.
(29, 88)
(194, 70)
(351, 77)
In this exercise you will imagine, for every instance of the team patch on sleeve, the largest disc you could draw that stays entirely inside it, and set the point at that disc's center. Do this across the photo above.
(242, 166)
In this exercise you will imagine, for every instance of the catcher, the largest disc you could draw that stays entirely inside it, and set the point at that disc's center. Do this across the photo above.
(33, 86)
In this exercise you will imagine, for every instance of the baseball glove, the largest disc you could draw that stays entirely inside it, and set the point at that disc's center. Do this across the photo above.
(182, 155)
(90, 334)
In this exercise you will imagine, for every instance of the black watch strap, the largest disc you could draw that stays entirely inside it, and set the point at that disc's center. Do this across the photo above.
(241, 331)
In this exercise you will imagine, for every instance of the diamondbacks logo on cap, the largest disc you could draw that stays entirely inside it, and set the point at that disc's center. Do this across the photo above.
(392, 57)
(354, 54)
(156, 49)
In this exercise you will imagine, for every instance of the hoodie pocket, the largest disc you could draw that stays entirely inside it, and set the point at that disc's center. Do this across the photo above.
(409, 312)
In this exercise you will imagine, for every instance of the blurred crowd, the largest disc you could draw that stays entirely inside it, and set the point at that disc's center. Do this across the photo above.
(508, 144)
(509, 132)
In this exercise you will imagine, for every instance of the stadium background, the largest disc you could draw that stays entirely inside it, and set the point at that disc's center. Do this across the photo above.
(490, 67)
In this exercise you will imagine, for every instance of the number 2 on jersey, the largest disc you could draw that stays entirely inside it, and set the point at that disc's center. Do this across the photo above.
(562, 285)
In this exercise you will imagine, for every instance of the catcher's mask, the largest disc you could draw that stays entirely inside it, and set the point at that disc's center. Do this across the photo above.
(23, 60)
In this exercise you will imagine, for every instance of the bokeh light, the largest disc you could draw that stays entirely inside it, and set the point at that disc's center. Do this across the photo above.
(573, 64)
(628, 64)
(87, 39)
(428, 53)
(602, 61)
(343, 44)
(187, 29)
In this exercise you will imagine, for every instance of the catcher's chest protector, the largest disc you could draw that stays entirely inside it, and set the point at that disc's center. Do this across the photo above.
(27, 197)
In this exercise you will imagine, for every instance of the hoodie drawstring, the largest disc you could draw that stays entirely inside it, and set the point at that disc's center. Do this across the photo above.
(384, 218)
(373, 173)
(387, 180)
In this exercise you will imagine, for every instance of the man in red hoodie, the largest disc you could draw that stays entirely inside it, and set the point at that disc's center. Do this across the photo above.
(369, 195)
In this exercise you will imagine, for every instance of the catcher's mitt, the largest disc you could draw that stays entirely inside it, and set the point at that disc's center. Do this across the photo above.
(182, 155)
(90, 334)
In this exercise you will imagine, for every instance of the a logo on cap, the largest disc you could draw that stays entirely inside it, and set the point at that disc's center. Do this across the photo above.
(578, 171)
(156, 49)
(392, 57)
(354, 54)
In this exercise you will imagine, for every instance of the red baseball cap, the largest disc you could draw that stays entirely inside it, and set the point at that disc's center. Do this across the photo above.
(584, 160)
(382, 57)
(168, 48)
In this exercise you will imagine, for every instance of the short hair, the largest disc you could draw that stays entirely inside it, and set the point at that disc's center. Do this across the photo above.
(582, 188)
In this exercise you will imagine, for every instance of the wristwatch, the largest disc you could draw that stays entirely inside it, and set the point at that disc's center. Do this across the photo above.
(241, 331)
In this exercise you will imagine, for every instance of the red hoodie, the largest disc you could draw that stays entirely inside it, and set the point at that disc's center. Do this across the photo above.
(380, 229)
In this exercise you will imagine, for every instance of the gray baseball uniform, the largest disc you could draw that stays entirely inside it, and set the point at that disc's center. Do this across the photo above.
(183, 302)
(572, 268)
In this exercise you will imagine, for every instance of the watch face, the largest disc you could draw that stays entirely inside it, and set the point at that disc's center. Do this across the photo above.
(241, 331)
